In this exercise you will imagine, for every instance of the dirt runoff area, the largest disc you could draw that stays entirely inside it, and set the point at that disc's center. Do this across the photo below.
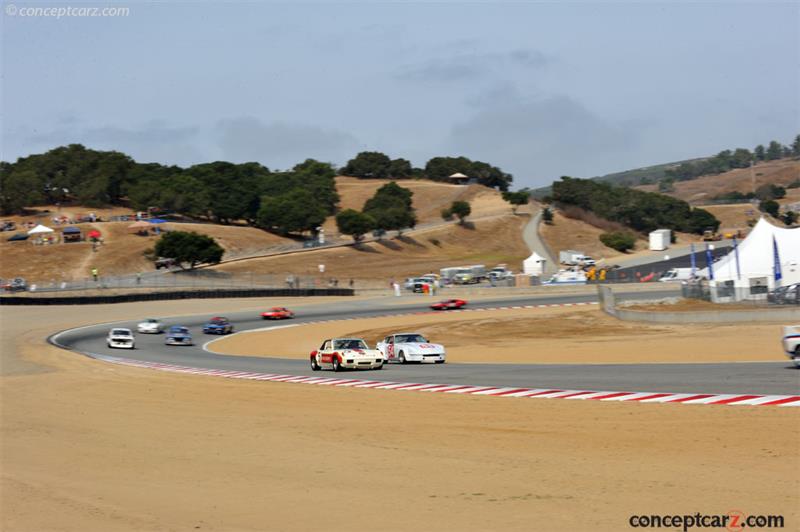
(551, 335)
(90, 446)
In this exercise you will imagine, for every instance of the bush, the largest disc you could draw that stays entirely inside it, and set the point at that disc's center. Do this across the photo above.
(619, 240)
(770, 207)
(794, 184)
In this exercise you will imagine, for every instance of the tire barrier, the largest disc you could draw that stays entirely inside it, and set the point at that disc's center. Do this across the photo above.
(179, 294)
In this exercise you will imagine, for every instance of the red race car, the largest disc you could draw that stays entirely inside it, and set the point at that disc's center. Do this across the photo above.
(449, 304)
(277, 313)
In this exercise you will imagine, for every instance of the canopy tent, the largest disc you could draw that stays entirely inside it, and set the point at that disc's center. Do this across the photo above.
(534, 265)
(753, 272)
(18, 236)
(94, 233)
(71, 234)
(157, 221)
(39, 230)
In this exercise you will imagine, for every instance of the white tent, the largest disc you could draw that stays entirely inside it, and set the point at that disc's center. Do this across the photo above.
(756, 271)
(39, 230)
(534, 265)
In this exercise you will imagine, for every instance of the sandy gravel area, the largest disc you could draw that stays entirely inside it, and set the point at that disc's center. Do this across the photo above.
(94, 447)
(562, 335)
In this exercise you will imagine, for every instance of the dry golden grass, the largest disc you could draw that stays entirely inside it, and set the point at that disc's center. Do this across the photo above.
(121, 252)
(491, 241)
(704, 188)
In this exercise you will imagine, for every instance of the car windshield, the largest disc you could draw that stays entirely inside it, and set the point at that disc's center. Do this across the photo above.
(120, 332)
(349, 344)
(151, 320)
(179, 330)
(410, 339)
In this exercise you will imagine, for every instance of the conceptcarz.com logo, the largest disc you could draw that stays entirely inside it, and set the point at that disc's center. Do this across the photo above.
(733, 521)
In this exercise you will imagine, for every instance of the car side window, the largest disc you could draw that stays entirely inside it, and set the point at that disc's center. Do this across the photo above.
(325, 345)
(390, 339)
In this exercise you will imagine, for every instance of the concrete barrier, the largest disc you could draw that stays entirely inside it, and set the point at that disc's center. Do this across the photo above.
(761, 315)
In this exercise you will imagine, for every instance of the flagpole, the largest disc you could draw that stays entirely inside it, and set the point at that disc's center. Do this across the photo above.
(736, 254)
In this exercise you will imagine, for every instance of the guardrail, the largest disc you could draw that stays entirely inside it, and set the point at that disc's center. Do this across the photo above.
(181, 294)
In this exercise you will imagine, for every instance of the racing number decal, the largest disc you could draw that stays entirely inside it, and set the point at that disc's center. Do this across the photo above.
(390, 350)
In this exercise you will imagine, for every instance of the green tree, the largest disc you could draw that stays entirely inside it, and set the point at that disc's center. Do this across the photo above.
(770, 207)
(741, 158)
(354, 223)
(459, 209)
(400, 169)
(796, 146)
(547, 216)
(621, 241)
(19, 189)
(774, 150)
(189, 248)
(760, 153)
(391, 208)
(294, 212)
(521, 197)
(368, 165)
(770, 191)
(789, 218)
(701, 220)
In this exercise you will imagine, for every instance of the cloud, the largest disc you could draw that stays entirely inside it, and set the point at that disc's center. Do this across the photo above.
(152, 141)
(282, 145)
(472, 66)
(540, 139)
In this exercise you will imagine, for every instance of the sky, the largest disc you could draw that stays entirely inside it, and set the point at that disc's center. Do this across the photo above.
(540, 89)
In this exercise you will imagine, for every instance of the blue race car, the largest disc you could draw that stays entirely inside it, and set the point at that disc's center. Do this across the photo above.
(178, 335)
(218, 325)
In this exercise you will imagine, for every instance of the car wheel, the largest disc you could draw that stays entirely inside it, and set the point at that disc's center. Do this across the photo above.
(336, 366)
(402, 357)
(380, 367)
(314, 365)
(440, 361)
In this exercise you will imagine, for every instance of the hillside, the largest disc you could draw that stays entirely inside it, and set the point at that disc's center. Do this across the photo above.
(700, 190)
(490, 241)
(122, 252)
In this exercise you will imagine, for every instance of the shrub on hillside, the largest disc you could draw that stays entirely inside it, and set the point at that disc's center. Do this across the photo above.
(621, 241)
(770, 207)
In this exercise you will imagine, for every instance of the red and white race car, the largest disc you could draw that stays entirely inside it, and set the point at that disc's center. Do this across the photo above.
(449, 304)
(410, 347)
(345, 353)
(277, 313)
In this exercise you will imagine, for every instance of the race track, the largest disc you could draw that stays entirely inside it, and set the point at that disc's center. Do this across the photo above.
(738, 378)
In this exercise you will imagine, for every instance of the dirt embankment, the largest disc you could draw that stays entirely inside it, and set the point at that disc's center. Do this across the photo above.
(88, 446)
(488, 242)
(552, 335)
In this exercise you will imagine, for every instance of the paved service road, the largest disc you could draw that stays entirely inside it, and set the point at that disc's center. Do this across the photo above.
(756, 378)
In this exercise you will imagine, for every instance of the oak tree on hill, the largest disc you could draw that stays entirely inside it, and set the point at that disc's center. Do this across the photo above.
(354, 223)
(189, 248)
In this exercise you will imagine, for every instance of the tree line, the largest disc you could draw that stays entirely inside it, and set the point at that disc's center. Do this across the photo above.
(291, 201)
(728, 160)
(639, 210)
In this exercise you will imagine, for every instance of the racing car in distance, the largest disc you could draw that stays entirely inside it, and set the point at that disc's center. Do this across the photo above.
(791, 343)
(277, 313)
(345, 353)
(149, 326)
(218, 325)
(449, 304)
(410, 347)
(121, 338)
(178, 335)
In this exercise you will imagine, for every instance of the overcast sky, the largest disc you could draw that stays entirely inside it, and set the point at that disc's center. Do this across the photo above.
(539, 89)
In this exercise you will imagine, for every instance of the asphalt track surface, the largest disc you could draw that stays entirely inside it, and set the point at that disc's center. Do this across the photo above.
(756, 377)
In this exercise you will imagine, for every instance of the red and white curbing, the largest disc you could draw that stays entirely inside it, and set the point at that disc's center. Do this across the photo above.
(493, 391)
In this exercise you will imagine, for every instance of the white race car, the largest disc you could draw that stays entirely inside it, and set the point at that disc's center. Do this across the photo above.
(345, 353)
(791, 343)
(122, 338)
(150, 326)
(410, 347)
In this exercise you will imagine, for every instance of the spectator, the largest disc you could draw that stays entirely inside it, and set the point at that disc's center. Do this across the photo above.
(94, 274)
